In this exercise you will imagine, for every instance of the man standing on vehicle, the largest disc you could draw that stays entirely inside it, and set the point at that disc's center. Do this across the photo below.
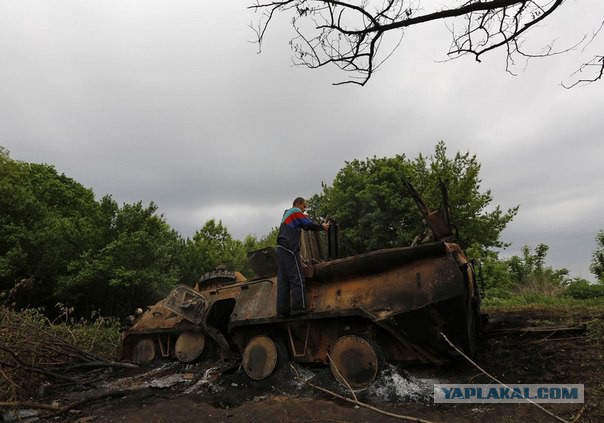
(290, 279)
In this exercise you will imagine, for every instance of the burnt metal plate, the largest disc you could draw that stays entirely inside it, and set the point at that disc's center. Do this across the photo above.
(187, 303)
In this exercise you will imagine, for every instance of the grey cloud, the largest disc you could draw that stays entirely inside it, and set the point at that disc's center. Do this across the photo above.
(169, 102)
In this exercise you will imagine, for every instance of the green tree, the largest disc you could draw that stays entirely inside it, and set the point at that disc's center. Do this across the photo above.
(493, 273)
(268, 240)
(369, 201)
(211, 246)
(526, 275)
(137, 264)
(530, 274)
(59, 245)
(597, 262)
(582, 289)
(46, 221)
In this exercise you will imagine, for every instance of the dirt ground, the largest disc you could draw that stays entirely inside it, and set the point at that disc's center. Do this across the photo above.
(176, 393)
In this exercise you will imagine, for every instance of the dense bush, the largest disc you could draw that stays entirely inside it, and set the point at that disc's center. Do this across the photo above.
(582, 289)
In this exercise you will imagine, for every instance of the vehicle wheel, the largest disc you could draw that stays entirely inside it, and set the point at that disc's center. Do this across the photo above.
(189, 346)
(144, 351)
(262, 356)
(354, 361)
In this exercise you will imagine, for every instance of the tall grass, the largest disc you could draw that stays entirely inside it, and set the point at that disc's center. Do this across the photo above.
(536, 301)
(97, 334)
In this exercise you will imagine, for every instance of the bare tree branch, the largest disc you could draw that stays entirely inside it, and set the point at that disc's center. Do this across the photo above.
(350, 33)
(596, 62)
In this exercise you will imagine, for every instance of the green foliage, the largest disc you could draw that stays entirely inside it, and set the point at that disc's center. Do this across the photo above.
(136, 264)
(57, 244)
(521, 279)
(492, 272)
(369, 201)
(217, 246)
(530, 275)
(581, 289)
(47, 220)
(33, 348)
(594, 330)
(526, 279)
(468, 204)
(597, 263)
(268, 240)
(95, 334)
(213, 245)
(536, 301)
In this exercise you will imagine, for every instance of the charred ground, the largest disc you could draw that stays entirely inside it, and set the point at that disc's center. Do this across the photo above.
(220, 391)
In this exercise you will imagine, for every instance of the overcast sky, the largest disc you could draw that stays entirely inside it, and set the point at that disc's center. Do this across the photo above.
(168, 101)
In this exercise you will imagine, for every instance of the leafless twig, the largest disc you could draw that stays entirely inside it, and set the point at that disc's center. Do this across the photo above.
(580, 413)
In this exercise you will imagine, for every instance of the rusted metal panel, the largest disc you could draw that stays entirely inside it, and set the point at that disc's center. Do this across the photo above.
(255, 299)
(410, 293)
(157, 318)
(374, 262)
(417, 279)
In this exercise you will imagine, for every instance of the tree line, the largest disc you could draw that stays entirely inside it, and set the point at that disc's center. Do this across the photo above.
(368, 200)
(59, 245)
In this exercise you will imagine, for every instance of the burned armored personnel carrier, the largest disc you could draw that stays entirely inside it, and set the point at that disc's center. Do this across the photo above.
(387, 305)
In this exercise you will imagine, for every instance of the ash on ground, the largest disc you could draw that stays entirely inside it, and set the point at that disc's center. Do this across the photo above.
(225, 385)
(397, 385)
(392, 384)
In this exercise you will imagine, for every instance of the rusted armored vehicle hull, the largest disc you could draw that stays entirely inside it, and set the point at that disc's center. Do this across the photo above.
(393, 305)
(387, 305)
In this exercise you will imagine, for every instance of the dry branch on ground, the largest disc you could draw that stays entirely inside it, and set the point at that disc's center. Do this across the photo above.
(33, 357)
